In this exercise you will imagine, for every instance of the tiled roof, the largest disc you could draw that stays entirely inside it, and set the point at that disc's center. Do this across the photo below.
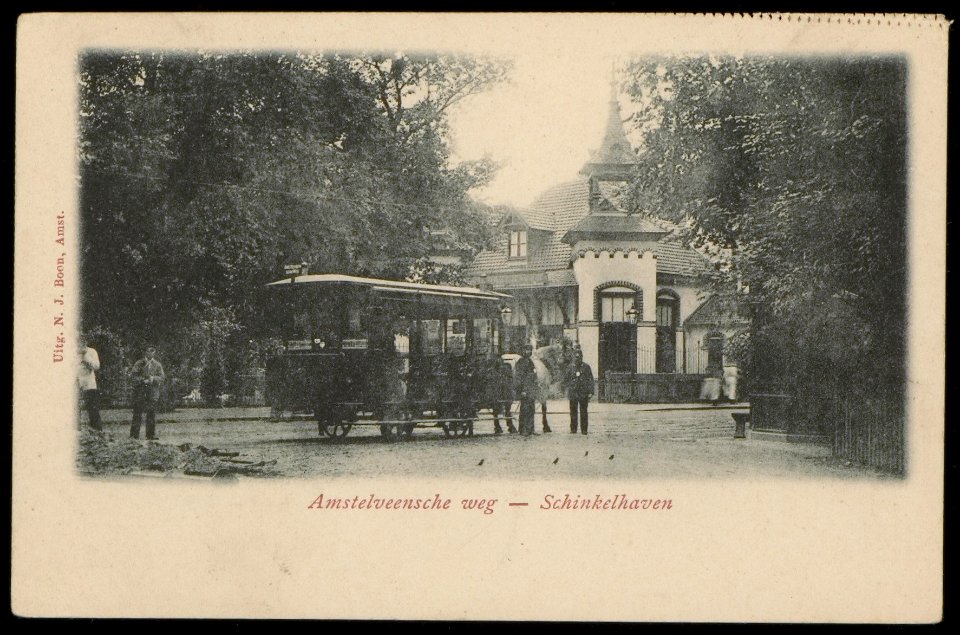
(675, 259)
(557, 210)
(564, 204)
(621, 224)
(552, 254)
(538, 218)
(507, 281)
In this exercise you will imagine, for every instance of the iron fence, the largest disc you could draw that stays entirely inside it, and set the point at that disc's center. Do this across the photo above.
(870, 430)
(649, 388)
(865, 427)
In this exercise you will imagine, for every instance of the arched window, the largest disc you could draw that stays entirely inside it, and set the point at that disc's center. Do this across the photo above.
(611, 302)
(618, 344)
(615, 302)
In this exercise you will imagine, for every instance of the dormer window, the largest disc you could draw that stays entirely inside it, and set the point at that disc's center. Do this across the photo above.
(518, 244)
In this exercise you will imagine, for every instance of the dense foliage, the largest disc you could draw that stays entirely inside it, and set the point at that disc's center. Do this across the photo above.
(202, 175)
(792, 173)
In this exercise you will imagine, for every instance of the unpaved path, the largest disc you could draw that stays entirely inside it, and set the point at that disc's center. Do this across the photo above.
(625, 442)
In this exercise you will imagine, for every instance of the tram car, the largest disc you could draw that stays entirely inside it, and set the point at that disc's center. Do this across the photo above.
(399, 355)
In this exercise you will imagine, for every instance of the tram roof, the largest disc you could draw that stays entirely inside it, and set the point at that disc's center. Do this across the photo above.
(395, 286)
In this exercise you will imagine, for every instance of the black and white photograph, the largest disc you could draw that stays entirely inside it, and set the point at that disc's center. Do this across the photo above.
(393, 287)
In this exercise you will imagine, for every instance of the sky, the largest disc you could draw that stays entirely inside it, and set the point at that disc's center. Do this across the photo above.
(541, 126)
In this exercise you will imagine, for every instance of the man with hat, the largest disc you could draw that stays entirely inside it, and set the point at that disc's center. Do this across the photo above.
(501, 394)
(525, 382)
(147, 376)
(579, 391)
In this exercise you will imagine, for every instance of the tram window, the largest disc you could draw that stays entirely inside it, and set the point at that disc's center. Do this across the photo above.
(482, 336)
(430, 342)
(401, 344)
(355, 324)
(301, 325)
(457, 336)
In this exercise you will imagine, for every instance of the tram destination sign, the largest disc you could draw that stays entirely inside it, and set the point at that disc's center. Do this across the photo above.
(296, 270)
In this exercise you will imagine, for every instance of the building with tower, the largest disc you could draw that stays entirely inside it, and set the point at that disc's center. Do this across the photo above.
(621, 285)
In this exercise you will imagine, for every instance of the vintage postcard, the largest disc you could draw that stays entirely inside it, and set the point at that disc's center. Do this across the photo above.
(556, 317)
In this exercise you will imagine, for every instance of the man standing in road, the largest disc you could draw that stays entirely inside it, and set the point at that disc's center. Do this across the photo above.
(525, 378)
(579, 391)
(501, 394)
(147, 377)
(87, 381)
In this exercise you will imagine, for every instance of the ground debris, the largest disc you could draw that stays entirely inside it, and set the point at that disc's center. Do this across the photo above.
(105, 453)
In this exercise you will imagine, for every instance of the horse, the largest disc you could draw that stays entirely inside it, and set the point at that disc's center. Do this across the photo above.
(550, 363)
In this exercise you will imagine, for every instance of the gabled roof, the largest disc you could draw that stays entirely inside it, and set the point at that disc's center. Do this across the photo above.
(531, 219)
(568, 204)
(717, 311)
(564, 205)
(549, 254)
(562, 214)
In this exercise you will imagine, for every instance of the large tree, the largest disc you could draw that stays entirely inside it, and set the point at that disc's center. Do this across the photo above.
(792, 172)
(201, 174)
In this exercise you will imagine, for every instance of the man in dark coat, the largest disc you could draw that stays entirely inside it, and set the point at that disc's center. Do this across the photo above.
(525, 383)
(579, 390)
(501, 395)
(147, 376)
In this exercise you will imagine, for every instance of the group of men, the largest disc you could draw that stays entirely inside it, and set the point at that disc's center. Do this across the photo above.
(523, 383)
(147, 377)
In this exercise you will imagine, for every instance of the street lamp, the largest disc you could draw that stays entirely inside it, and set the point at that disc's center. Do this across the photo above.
(633, 315)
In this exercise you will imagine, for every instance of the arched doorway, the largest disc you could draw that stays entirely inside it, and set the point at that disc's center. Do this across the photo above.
(618, 342)
(668, 318)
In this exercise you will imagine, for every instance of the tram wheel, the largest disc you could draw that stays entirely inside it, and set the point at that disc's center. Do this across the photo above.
(335, 429)
(458, 428)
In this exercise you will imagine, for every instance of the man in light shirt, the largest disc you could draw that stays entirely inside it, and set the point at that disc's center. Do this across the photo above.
(87, 381)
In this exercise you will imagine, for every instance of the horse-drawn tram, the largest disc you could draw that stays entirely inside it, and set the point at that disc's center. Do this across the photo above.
(399, 355)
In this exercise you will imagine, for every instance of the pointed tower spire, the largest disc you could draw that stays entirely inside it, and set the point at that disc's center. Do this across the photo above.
(612, 160)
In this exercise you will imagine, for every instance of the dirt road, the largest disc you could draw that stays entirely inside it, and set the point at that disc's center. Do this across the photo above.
(625, 441)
